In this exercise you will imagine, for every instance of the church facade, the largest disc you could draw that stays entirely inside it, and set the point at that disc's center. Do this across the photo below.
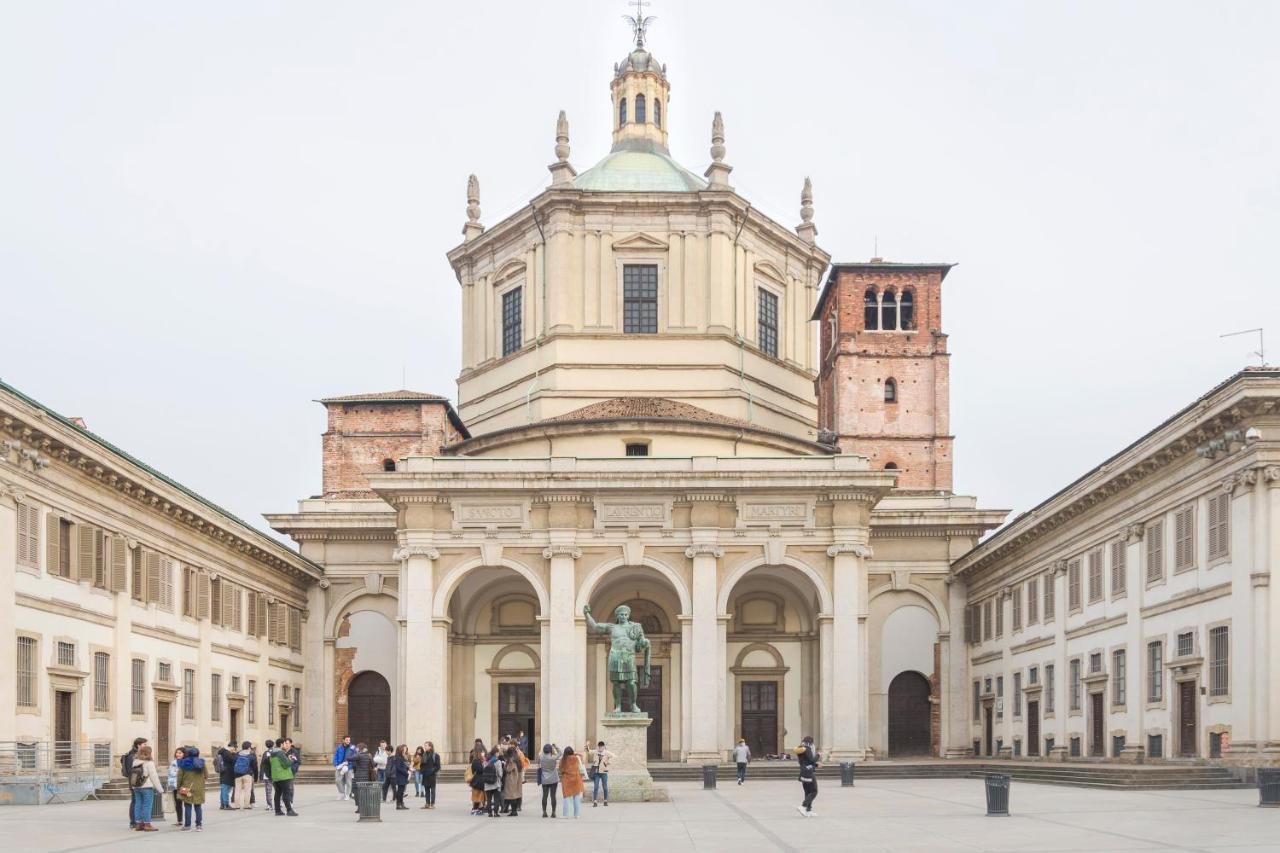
(668, 400)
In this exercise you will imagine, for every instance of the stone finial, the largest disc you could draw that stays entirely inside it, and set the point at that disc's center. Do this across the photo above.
(717, 173)
(562, 174)
(806, 229)
(473, 228)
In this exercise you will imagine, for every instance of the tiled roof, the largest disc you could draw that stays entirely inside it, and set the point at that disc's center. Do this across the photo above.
(401, 396)
(645, 407)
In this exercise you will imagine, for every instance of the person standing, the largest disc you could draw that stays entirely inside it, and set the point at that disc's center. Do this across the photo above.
(807, 755)
(342, 757)
(191, 776)
(173, 785)
(264, 770)
(398, 767)
(492, 781)
(417, 772)
(362, 770)
(380, 759)
(571, 784)
(430, 765)
(284, 763)
(144, 783)
(474, 778)
(513, 781)
(224, 766)
(126, 770)
(741, 755)
(245, 769)
(549, 775)
(600, 760)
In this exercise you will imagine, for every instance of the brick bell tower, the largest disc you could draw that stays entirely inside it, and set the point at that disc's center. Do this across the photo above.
(884, 374)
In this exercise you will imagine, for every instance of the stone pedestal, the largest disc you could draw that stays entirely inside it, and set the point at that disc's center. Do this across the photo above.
(1059, 753)
(627, 737)
(1131, 754)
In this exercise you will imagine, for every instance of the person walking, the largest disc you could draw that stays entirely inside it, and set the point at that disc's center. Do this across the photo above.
(741, 755)
(245, 770)
(284, 764)
(600, 760)
(430, 765)
(264, 770)
(191, 776)
(223, 765)
(398, 768)
(513, 781)
(493, 781)
(144, 784)
(417, 772)
(380, 759)
(342, 756)
(172, 785)
(549, 775)
(807, 755)
(126, 770)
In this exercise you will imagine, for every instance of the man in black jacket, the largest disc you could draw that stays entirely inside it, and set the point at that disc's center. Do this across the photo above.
(226, 775)
(126, 767)
(362, 769)
(807, 755)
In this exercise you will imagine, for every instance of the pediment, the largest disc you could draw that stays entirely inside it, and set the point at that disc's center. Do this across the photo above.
(770, 271)
(640, 242)
(509, 269)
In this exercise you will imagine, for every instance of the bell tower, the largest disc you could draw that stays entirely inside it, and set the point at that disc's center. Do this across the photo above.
(640, 94)
(883, 383)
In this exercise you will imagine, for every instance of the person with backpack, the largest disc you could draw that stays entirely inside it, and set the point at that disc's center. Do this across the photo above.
(284, 764)
(126, 770)
(343, 755)
(144, 784)
(571, 782)
(430, 766)
(223, 765)
(191, 777)
(741, 755)
(264, 770)
(474, 777)
(549, 775)
(807, 755)
(513, 781)
(492, 774)
(244, 769)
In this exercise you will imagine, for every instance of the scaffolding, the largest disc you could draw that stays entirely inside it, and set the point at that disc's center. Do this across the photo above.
(42, 772)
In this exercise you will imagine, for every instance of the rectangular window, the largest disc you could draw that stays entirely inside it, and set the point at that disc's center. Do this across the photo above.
(1033, 676)
(297, 707)
(1095, 663)
(1119, 694)
(1155, 551)
(1186, 644)
(64, 548)
(188, 694)
(1219, 669)
(28, 536)
(215, 697)
(1095, 575)
(66, 654)
(235, 684)
(1155, 671)
(164, 672)
(977, 700)
(1073, 586)
(101, 681)
(640, 298)
(637, 448)
(999, 615)
(1184, 539)
(1017, 608)
(26, 672)
(512, 320)
(1220, 526)
(251, 702)
(1118, 556)
(1155, 746)
(188, 591)
(1033, 601)
(987, 622)
(271, 704)
(767, 310)
(138, 688)
(1049, 594)
(999, 697)
(1017, 694)
(1048, 687)
(1075, 684)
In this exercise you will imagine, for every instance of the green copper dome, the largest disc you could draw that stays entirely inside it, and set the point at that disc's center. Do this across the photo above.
(638, 166)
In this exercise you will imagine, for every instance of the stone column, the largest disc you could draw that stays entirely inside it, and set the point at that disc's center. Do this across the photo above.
(317, 676)
(1135, 745)
(1062, 678)
(564, 664)
(848, 651)
(1269, 516)
(956, 724)
(826, 674)
(421, 684)
(9, 497)
(686, 685)
(708, 674)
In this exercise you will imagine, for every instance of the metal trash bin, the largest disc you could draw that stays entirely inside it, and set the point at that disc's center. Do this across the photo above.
(369, 802)
(1269, 787)
(157, 806)
(997, 785)
(709, 777)
(846, 774)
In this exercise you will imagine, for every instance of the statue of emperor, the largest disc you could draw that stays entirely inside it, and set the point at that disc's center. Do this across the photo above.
(627, 639)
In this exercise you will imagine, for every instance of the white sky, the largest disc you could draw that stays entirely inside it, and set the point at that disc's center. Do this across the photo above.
(212, 214)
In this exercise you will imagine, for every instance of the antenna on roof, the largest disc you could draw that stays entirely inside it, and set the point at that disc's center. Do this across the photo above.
(403, 376)
(1260, 352)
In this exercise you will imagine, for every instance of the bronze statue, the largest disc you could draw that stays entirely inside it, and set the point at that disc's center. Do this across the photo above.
(628, 638)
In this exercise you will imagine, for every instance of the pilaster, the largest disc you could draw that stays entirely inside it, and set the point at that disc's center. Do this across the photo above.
(9, 496)
(954, 689)
(421, 686)
(849, 693)
(708, 673)
(564, 666)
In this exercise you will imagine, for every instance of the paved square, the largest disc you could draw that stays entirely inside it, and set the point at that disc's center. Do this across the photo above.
(909, 815)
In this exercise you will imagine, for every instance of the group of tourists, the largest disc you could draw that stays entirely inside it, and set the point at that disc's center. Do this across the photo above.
(238, 767)
(497, 777)
(390, 770)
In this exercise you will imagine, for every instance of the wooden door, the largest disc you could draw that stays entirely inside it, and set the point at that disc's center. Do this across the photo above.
(649, 700)
(369, 709)
(164, 748)
(760, 716)
(987, 730)
(1187, 719)
(909, 715)
(1033, 728)
(515, 710)
(62, 722)
(1097, 726)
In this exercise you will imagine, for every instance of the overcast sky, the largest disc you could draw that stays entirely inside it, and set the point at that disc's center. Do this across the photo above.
(212, 214)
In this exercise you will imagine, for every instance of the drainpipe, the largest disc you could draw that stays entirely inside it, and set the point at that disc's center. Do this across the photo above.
(742, 386)
(537, 341)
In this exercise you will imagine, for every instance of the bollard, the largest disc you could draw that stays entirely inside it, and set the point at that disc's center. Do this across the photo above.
(369, 802)
(846, 774)
(997, 785)
(1269, 787)
(708, 777)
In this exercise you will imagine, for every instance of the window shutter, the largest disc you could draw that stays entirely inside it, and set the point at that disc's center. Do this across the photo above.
(202, 596)
(23, 557)
(1118, 567)
(84, 552)
(215, 598)
(262, 615)
(1155, 551)
(52, 556)
(237, 612)
(295, 628)
(151, 573)
(166, 583)
(139, 577)
(101, 559)
(252, 628)
(119, 570)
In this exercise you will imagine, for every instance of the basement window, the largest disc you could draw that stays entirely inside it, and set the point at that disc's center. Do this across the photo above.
(638, 448)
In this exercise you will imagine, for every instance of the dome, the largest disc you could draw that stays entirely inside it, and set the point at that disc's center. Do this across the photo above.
(638, 166)
(639, 60)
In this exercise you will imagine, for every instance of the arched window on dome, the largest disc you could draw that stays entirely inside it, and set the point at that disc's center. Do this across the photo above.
(907, 310)
(388, 464)
(890, 391)
(622, 112)
(639, 109)
(891, 466)
(889, 311)
(871, 310)
(657, 113)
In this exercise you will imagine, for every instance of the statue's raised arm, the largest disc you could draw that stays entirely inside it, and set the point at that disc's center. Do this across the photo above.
(592, 624)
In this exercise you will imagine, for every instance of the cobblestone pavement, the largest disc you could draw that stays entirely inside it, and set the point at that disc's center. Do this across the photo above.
(914, 815)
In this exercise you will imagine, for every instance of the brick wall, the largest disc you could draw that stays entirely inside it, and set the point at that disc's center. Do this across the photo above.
(935, 704)
(342, 676)
(361, 436)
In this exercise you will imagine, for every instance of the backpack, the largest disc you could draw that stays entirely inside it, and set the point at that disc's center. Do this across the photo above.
(490, 774)
(126, 762)
(137, 776)
(218, 763)
(242, 764)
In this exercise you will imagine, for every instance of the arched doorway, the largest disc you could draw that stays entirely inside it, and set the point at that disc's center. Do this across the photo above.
(369, 709)
(909, 715)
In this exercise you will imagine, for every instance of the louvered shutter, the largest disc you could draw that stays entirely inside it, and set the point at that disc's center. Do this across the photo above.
(1155, 551)
(215, 599)
(151, 574)
(139, 581)
(1118, 556)
(237, 611)
(101, 559)
(84, 552)
(119, 569)
(202, 596)
(52, 554)
(262, 615)
(252, 628)
(167, 567)
(23, 557)
(295, 628)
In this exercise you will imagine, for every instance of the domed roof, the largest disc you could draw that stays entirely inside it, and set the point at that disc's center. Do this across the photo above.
(638, 166)
(639, 60)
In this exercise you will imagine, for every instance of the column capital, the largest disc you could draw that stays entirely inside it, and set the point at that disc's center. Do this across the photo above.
(1133, 532)
(1271, 474)
(571, 551)
(704, 549)
(1059, 568)
(854, 548)
(406, 552)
